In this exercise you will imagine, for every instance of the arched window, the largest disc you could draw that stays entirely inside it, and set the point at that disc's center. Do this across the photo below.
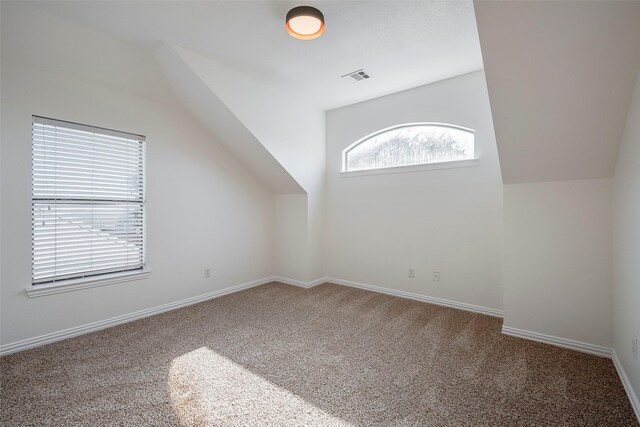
(409, 145)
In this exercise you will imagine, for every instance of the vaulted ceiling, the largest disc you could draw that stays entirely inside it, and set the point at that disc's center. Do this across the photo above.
(559, 74)
(402, 44)
(560, 77)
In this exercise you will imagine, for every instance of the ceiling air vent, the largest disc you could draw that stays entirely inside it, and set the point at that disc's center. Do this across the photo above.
(358, 75)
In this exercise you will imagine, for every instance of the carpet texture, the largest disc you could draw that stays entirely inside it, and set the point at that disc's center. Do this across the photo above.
(329, 355)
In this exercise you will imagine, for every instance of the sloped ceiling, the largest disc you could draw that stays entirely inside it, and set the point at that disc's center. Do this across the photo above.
(290, 129)
(560, 77)
(197, 98)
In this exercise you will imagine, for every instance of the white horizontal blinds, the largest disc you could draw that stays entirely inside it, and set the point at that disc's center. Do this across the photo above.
(88, 201)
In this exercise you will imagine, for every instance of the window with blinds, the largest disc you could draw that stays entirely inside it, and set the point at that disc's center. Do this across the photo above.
(88, 205)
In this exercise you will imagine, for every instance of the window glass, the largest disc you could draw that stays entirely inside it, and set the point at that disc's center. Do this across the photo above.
(408, 145)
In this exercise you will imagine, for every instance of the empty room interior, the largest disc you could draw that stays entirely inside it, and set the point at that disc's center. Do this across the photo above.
(329, 213)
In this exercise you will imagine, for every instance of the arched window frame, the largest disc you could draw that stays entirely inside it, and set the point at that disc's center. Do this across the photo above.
(408, 168)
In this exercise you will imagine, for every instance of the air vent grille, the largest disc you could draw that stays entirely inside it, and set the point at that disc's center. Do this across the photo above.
(358, 75)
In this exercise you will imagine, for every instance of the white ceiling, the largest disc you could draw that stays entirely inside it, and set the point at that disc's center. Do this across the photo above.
(34, 38)
(402, 44)
(560, 77)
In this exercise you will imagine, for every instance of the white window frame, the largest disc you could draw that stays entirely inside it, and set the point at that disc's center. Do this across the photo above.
(409, 168)
(100, 279)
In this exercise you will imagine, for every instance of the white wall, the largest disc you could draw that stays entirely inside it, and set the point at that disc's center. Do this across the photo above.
(446, 220)
(290, 129)
(204, 208)
(291, 235)
(626, 246)
(557, 259)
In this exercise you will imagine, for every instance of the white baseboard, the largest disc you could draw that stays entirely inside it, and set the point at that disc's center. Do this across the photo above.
(633, 398)
(418, 297)
(299, 283)
(402, 294)
(558, 342)
(396, 293)
(118, 320)
(584, 348)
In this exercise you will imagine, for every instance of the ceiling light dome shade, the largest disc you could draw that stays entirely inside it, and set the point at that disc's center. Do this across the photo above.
(305, 23)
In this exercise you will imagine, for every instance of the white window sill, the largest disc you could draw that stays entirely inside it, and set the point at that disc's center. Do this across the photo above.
(416, 168)
(84, 283)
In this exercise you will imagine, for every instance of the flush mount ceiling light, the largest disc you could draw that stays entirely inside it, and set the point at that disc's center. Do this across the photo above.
(305, 23)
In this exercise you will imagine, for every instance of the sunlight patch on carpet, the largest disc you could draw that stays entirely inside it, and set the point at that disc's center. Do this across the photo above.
(209, 389)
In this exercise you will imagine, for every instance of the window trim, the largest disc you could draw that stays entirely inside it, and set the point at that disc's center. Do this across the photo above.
(454, 164)
(110, 277)
(414, 168)
(71, 285)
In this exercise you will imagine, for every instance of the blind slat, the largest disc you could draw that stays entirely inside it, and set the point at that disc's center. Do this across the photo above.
(48, 155)
(45, 145)
(92, 273)
(59, 265)
(73, 251)
(65, 135)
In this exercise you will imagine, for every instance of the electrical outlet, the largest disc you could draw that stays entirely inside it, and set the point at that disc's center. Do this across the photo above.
(207, 273)
(412, 272)
(436, 276)
(634, 347)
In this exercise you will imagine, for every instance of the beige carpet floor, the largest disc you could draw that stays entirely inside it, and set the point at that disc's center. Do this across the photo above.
(329, 355)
